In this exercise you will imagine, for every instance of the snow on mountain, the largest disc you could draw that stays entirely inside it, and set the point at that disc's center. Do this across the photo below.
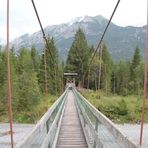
(75, 20)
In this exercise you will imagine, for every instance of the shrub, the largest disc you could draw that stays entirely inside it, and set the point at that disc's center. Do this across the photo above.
(122, 108)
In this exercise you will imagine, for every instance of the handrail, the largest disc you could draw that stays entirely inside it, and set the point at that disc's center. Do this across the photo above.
(89, 131)
(51, 137)
(37, 136)
(97, 126)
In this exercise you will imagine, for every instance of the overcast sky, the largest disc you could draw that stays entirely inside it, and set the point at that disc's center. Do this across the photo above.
(23, 19)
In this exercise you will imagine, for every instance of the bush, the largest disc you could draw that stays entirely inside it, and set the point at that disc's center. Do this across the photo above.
(122, 109)
(119, 109)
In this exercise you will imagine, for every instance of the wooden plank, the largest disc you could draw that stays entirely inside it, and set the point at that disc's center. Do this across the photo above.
(71, 134)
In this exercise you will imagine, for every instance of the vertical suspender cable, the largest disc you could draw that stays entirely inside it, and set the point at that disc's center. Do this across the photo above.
(9, 79)
(45, 65)
(145, 84)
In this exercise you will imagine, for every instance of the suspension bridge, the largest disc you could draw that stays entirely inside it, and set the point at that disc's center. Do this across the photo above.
(72, 122)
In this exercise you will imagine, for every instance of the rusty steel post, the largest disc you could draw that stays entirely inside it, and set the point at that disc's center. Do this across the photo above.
(145, 85)
(9, 78)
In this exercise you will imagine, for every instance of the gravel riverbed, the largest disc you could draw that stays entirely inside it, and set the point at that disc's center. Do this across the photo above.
(21, 130)
(133, 132)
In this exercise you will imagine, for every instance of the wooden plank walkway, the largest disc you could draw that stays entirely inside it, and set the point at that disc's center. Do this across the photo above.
(71, 134)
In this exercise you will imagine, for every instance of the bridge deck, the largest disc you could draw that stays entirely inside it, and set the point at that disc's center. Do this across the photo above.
(71, 133)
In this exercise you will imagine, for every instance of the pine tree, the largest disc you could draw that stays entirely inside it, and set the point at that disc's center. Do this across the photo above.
(135, 62)
(28, 89)
(106, 70)
(53, 68)
(35, 58)
(135, 71)
(14, 78)
(41, 74)
(93, 70)
(53, 72)
(121, 78)
(29, 93)
(77, 60)
(3, 81)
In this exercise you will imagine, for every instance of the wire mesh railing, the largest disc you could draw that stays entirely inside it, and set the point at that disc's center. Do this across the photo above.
(99, 131)
(44, 134)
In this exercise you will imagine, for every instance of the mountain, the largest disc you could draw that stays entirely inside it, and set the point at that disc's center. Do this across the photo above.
(121, 41)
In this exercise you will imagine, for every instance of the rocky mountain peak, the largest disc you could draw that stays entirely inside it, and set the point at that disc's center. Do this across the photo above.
(121, 41)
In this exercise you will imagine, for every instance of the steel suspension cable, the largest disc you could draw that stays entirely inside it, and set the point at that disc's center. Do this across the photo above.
(105, 31)
(101, 39)
(45, 57)
(9, 79)
(44, 36)
(145, 85)
(45, 64)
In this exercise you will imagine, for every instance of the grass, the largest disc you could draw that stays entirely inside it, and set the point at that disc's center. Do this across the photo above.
(31, 116)
(120, 109)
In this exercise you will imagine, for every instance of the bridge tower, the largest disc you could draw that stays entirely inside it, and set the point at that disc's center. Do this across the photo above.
(70, 78)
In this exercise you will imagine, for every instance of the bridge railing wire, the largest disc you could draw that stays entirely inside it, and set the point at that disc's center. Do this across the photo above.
(44, 134)
(99, 131)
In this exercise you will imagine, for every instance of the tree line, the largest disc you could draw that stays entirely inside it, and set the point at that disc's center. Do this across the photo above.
(122, 78)
(28, 72)
(28, 77)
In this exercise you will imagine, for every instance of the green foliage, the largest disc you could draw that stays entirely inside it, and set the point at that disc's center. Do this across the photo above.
(106, 70)
(29, 93)
(136, 80)
(119, 109)
(52, 66)
(28, 79)
(122, 108)
(35, 59)
(93, 73)
(136, 59)
(26, 68)
(36, 112)
(122, 78)
(77, 60)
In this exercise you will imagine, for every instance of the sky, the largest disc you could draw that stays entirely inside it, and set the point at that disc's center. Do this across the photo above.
(51, 12)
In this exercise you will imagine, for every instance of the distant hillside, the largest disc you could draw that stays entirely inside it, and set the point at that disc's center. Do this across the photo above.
(121, 41)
